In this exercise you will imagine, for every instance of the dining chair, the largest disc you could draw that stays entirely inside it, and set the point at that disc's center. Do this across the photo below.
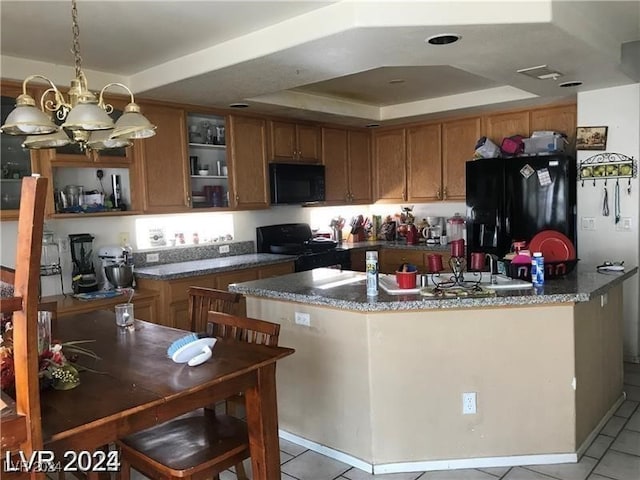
(21, 428)
(201, 443)
(202, 300)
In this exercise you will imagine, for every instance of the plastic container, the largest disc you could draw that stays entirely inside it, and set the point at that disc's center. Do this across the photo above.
(455, 228)
(537, 269)
(455, 235)
(407, 280)
(371, 262)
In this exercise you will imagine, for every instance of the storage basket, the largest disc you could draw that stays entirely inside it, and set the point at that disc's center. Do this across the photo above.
(551, 269)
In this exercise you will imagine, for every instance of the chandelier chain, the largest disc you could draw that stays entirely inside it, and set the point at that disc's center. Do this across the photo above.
(76, 38)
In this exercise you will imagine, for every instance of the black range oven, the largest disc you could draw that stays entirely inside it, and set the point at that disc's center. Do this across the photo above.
(297, 240)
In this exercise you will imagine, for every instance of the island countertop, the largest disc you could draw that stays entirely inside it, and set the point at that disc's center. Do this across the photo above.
(346, 290)
(172, 271)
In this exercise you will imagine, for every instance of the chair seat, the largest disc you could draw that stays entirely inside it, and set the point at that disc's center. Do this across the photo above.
(189, 444)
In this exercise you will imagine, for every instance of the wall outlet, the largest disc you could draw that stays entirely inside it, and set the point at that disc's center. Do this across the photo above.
(469, 403)
(123, 238)
(303, 319)
(224, 249)
(588, 223)
(64, 244)
(153, 257)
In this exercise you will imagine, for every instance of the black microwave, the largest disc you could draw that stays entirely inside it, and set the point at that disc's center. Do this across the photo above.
(293, 183)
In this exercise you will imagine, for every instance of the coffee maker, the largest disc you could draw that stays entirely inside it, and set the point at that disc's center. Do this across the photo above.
(83, 275)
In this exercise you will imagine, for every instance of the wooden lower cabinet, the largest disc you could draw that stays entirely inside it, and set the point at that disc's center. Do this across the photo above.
(390, 259)
(144, 304)
(173, 298)
(358, 260)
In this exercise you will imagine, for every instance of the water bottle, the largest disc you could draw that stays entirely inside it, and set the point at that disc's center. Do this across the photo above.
(372, 273)
(537, 269)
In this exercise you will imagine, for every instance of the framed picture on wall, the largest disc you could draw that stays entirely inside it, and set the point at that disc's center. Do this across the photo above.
(591, 138)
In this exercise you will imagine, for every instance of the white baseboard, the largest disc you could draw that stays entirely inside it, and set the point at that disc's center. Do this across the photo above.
(484, 462)
(327, 451)
(601, 423)
(454, 464)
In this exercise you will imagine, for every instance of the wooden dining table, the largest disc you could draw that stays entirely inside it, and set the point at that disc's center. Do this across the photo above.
(139, 386)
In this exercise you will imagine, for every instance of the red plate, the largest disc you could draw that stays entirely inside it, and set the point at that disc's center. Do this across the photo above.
(555, 246)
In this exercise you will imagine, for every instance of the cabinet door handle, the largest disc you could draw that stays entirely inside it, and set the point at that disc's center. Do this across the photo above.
(438, 195)
(237, 198)
(444, 194)
(188, 200)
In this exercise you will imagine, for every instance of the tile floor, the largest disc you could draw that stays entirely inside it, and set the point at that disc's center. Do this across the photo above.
(613, 455)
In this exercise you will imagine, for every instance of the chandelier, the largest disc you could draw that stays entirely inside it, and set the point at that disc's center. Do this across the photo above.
(85, 116)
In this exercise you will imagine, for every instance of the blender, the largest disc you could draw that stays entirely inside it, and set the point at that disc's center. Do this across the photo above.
(84, 275)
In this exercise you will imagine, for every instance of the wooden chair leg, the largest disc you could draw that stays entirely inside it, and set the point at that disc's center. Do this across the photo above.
(241, 474)
(125, 470)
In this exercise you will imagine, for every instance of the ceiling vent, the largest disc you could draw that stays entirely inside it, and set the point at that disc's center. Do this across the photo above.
(541, 72)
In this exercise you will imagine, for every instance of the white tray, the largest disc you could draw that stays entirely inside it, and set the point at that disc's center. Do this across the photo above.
(389, 285)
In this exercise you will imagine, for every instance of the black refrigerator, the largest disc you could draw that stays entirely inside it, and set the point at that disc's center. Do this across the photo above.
(512, 199)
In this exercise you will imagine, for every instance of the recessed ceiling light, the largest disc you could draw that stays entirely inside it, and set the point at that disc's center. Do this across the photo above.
(239, 105)
(443, 39)
(372, 125)
(396, 81)
(572, 83)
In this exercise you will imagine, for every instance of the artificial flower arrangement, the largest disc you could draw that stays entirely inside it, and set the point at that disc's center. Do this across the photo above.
(55, 369)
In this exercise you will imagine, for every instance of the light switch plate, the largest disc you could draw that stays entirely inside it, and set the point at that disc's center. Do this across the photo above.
(588, 223)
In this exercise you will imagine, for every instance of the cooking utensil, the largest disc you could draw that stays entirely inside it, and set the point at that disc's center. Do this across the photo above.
(605, 203)
(616, 202)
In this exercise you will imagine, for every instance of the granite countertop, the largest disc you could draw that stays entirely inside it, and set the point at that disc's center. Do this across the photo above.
(401, 244)
(346, 290)
(171, 271)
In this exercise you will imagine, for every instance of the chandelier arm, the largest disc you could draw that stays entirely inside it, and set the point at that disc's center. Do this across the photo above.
(56, 104)
(101, 101)
(42, 77)
(109, 107)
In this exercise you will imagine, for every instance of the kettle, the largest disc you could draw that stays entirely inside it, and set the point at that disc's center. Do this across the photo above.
(412, 234)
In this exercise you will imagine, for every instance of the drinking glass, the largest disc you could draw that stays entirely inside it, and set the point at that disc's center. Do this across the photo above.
(124, 314)
(44, 331)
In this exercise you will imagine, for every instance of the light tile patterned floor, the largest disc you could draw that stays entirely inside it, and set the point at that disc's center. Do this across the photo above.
(613, 455)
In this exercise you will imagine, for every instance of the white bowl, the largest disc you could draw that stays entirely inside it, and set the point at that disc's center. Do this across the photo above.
(203, 172)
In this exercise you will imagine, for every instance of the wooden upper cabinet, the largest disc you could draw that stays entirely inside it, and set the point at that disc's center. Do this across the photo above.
(162, 161)
(501, 125)
(335, 160)
(389, 155)
(359, 147)
(424, 164)
(346, 155)
(248, 149)
(561, 118)
(292, 142)
(459, 138)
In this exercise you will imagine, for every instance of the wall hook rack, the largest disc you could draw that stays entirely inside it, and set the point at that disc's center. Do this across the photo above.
(608, 165)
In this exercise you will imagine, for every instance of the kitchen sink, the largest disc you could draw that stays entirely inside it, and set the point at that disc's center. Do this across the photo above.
(501, 282)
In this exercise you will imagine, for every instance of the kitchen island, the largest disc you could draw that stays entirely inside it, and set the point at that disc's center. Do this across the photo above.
(378, 382)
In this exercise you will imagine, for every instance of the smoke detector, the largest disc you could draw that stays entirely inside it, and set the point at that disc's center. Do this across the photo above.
(541, 72)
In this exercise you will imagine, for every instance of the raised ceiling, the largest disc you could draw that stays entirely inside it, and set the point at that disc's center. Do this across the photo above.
(330, 61)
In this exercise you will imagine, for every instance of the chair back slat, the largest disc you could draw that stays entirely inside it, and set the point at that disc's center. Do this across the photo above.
(243, 329)
(202, 300)
(25, 324)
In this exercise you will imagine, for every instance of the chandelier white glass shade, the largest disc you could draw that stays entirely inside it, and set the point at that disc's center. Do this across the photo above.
(85, 117)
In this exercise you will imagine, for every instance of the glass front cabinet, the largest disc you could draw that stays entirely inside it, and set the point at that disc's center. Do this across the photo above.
(15, 162)
(208, 169)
